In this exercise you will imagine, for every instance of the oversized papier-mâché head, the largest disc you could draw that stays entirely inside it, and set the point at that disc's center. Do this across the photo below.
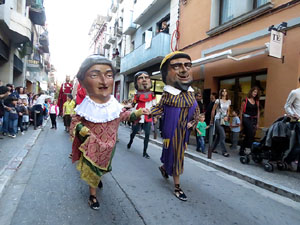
(142, 81)
(96, 75)
(175, 69)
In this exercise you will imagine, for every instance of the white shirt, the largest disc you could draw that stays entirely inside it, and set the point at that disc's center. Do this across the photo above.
(52, 110)
(222, 108)
(292, 105)
(174, 91)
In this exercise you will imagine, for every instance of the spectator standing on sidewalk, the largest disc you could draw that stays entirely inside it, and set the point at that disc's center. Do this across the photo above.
(249, 118)
(94, 127)
(209, 108)
(235, 129)
(180, 112)
(4, 92)
(13, 118)
(38, 108)
(25, 115)
(54, 112)
(220, 118)
(201, 132)
(22, 95)
(292, 108)
(199, 99)
(21, 111)
(68, 111)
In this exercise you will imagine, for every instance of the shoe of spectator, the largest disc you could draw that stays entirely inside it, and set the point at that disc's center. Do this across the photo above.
(12, 136)
(22, 132)
(4, 134)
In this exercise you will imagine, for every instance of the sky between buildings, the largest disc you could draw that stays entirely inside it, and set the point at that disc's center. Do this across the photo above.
(68, 24)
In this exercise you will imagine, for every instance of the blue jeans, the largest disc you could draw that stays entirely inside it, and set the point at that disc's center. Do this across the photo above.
(5, 122)
(201, 143)
(13, 126)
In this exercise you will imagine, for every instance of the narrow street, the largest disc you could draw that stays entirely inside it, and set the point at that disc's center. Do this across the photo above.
(47, 190)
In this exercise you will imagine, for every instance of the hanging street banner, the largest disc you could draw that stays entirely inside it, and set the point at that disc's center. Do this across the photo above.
(276, 44)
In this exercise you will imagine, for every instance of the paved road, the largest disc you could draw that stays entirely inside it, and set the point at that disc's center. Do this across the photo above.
(47, 190)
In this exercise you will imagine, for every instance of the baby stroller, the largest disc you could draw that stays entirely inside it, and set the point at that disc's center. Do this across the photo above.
(272, 147)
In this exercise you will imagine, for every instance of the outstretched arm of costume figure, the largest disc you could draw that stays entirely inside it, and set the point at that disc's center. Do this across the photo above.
(158, 109)
(196, 117)
(135, 115)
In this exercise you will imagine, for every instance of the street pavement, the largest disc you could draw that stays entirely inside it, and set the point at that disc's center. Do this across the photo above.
(46, 189)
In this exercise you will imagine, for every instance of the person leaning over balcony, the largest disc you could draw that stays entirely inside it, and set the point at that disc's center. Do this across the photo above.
(219, 118)
(164, 27)
(249, 118)
(180, 112)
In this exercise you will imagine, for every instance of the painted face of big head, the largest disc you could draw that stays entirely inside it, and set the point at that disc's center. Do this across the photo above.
(142, 81)
(98, 82)
(179, 74)
(96, 75)
(67, 79)
(176, 70)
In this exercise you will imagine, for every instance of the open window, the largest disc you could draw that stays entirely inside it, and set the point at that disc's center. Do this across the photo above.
(163, 25)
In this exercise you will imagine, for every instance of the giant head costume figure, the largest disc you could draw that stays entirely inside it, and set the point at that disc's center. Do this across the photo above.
(176, 70)
(142, 81)
(96, 75)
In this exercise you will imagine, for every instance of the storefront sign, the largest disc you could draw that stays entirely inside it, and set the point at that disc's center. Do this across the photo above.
(276, 44)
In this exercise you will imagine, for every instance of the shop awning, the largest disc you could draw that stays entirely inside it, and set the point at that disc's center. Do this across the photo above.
(232, 53)
(244, 53)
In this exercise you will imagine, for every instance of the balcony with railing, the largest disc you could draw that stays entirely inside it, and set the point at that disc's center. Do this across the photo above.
(112, 39)
(15, 25)
(128, 26)
(151, 9)
(140, 57)
(37, 12)
(116, 62)
(106, 44)
(114, 6)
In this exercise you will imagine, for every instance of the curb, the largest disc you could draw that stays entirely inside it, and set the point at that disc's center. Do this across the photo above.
(13, 165)
(270, 186)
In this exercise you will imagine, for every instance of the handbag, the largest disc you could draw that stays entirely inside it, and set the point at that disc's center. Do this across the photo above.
(224, 122)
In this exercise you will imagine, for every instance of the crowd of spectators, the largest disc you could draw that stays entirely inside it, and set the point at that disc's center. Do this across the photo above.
(19, 109)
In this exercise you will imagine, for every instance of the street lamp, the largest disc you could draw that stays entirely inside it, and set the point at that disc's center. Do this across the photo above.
(281, 27)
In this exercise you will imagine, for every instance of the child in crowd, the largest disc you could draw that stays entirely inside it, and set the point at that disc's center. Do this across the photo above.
(25, 115)
(21, 111)
(201, 133)
(68, 111)
(235, 129)
(94, 127)
(13, 118)
(54, 112)
(46, 109)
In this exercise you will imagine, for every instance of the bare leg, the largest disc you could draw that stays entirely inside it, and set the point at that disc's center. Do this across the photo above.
(176, 179)
(93, 191)
(93, 202)
(178, 192)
